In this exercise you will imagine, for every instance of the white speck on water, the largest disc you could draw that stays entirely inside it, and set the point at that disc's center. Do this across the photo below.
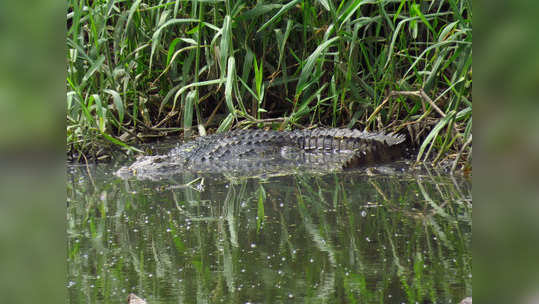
(290, 295)
(311, 260)
(243, 270)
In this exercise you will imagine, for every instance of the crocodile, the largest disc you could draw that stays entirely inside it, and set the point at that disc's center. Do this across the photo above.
(261, 151)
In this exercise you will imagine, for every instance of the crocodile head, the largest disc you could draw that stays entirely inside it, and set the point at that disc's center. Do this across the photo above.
(150, 165)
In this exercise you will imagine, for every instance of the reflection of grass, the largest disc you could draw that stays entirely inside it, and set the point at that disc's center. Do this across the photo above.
(336, 238)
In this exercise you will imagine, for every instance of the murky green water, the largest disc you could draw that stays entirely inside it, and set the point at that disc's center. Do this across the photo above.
(338, 238)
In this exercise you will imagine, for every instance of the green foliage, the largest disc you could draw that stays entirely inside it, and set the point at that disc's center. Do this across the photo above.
(139, 69)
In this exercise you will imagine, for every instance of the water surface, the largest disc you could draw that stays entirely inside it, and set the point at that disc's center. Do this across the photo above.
(350, 237)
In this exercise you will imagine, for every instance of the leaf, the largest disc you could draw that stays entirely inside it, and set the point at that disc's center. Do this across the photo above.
(325, 4)
(307, 69)
(170, 93)
(118, 103)
(231, 72)
(171, 49)
(433, 133)
(248, 88)
(282, 41)
(132, 10)
(283, 10)
(100, 112)
(350, 10)
(188, 110)
(225, 43)
(258, 78)
(120, 143)
(259, 9)
(95, 66)
(226, 123)
(197, 84)
(156, 37)
(417, 12)
(448, 28)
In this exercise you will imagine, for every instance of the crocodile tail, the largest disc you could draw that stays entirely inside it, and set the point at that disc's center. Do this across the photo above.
(342, 139)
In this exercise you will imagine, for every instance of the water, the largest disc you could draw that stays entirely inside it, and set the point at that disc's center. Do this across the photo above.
(352, 237)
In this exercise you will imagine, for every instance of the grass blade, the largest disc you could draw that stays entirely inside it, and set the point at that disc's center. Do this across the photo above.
(283, 10)
(306, 72)
(95, 66)
(157, 34)
(231, 72)
(118, 103)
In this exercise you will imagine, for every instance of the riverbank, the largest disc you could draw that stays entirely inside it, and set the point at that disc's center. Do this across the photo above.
(138, 72)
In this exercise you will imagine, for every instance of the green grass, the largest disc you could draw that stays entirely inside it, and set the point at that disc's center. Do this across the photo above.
(140, 70)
